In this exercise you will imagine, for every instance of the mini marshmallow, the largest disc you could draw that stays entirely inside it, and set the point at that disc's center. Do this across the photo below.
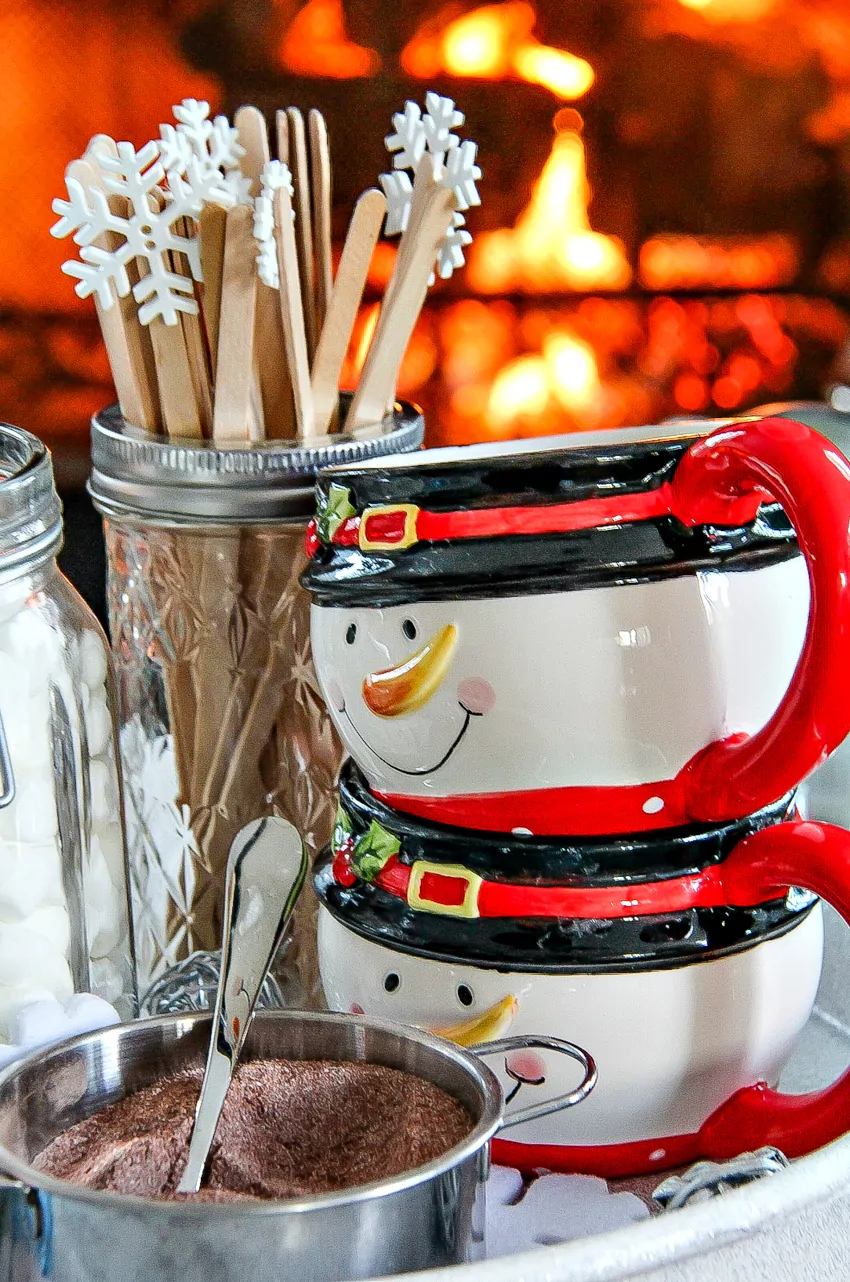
(30, 877)
(101, 784)
(15, 997)
(108, 841)
(92, 659)
(14, 594)
(98, 725)
(38, 1022)
(103, 926)
(28, 956)
(32, 815)
(31, 637)
(51, 923)
(44, 1020)
(86, 1012)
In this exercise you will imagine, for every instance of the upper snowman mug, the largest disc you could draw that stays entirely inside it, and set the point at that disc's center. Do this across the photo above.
(596, 634)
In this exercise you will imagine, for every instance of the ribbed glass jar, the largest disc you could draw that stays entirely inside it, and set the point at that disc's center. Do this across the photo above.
(221, 717)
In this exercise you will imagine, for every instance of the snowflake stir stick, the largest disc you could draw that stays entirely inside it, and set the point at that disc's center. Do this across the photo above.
(152, 226)
(151, 229)
(415, 134)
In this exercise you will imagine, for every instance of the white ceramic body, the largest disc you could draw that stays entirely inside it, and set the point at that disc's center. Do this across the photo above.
(670, 1044)
(612, 686)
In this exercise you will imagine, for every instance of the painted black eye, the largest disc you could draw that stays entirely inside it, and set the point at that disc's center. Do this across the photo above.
(409, 629)
(391, 982)
(351, 633)
(464, 995)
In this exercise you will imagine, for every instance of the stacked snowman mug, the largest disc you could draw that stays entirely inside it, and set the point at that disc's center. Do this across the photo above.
(579, 680)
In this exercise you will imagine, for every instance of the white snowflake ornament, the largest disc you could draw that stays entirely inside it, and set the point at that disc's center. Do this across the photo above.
(275, 175)
(462, 173)
(213, 145)
(440, 119)
(409, 141)
(398, 190)
(148, 231)
(450, 254)
(455, 167)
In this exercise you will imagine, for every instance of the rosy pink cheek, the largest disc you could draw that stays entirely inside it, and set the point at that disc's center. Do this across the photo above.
(476, 695)
(335, 695)
(357, 1009)
(526, 1065)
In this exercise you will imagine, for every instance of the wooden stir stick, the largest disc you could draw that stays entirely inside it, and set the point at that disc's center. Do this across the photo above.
(399, 314)
(292, 314)
(193, 337)
(304, 227)
(320, 176)
(360, 241)
(235, 365)
(211, 229)
(180, 410)
(123, 335)
(271, 367)
(281, 125)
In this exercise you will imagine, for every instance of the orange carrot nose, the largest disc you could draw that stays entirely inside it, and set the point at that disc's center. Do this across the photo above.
(410, 684)
(486, 1027)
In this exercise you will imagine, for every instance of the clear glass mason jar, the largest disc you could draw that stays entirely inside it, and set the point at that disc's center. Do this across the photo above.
(64, 921)
(221, 718)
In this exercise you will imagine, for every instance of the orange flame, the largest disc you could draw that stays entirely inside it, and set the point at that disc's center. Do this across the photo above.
(552, 246)
(565, 374)
(315, 44)
(678, 261)
(495, 43)
(730, 10)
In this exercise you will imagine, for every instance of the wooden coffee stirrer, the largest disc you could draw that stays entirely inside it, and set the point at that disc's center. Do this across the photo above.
(292, 315)
(193, 337)
(360, 241)
(128, 346)
(232, 417)
(304, 225)
(212, 225)
(273, 384)
(320, 180)
(402, 305)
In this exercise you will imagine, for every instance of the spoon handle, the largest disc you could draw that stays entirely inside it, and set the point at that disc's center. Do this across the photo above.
(265, 872)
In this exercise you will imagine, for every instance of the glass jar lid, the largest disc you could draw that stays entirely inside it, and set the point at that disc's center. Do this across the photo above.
(180, 482)
(30, 511)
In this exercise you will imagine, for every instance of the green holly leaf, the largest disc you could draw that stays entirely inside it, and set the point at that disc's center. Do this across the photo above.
(333, 509)
(343, 829)
(372, 850)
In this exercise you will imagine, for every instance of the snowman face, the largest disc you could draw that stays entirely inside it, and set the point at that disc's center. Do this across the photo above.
(671, 1044)
(402, 686)
(609, 686)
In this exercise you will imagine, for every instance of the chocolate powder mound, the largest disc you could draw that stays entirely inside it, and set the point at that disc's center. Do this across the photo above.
(288, 1128)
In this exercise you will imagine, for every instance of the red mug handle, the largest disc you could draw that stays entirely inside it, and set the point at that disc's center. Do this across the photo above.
(722, 480)
(817, 857)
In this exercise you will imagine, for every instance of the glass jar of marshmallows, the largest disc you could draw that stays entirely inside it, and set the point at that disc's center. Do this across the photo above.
(64, 922)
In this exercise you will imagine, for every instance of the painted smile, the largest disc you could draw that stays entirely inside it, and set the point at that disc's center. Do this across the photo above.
(423, 770)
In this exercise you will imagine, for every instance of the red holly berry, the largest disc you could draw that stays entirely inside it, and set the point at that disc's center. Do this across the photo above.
(312, 542)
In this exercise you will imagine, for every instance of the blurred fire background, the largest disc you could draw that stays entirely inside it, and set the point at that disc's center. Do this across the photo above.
(666, 216)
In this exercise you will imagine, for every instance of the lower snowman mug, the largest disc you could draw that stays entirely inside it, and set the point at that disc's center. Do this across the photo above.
(688, 1054)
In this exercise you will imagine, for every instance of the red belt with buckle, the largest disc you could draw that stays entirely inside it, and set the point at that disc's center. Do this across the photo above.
(396, 526)
(450, 890)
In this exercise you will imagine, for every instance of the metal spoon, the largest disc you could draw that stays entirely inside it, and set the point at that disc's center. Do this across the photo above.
(265, 872)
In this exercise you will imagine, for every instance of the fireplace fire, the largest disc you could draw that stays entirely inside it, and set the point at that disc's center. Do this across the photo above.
(666, 225)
